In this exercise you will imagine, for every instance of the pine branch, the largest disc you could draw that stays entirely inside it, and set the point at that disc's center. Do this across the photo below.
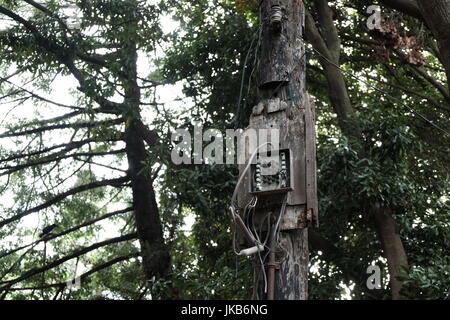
(82, 277)
(85, 224)
(78, 253)
(67, 147)
(61, 126)
(64, 195)
(53, 158)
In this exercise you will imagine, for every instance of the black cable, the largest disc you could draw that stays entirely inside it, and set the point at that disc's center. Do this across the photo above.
(238, 106)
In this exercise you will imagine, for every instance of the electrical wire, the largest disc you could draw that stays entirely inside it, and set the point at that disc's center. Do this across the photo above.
(283, 210)
(252, 205)
(263, 271)
(249, 210)
(255, 64)
(241, 178)
(238, 106)
(277, 233)
(248, 213)
(258, 240)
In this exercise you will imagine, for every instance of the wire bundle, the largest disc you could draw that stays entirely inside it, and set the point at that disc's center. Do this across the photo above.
(253, 234)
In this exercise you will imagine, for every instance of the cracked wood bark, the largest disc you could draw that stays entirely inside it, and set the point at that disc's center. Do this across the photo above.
(282, 105)
(292, 279)
(284, 53)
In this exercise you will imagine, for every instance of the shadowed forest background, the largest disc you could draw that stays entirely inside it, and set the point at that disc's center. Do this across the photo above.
(91, 90)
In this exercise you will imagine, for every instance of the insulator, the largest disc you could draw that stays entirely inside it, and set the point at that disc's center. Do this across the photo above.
(275, 17)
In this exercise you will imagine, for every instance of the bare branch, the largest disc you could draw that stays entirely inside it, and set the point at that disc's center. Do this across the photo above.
(64, 195)
(34, 95)
(67, 147)
(51, 237)
(62, 126)
(53, 158)
(82, 277)
(60, 261)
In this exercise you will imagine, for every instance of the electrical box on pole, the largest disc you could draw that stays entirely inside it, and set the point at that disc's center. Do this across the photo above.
(278, 205)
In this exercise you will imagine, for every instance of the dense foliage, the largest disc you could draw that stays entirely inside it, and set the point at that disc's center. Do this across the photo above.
(399, 158)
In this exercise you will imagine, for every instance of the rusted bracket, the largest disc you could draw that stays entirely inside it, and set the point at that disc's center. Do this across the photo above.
(296, 217)
(305, 219)
(276, 16)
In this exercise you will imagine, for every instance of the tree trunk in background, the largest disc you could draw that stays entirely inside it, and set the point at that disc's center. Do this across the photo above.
(154, 253)
(436, 13)
(155, 256)
(326, 41)
(409, 7)
(392, 247)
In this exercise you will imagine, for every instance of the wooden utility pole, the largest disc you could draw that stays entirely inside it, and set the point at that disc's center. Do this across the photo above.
(284, 105)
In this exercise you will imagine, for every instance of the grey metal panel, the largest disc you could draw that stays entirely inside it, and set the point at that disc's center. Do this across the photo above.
(292, 136)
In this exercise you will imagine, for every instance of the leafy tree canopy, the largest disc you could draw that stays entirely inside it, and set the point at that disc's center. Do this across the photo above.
(95, 160)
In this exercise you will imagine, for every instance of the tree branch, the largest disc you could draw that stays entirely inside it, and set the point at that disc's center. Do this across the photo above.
(61, 126)
(410, 7)
(67, 147)
(53, 158)
(330, 33)
(51, 237)
(82, 277)
(62, 196)
(33, 272)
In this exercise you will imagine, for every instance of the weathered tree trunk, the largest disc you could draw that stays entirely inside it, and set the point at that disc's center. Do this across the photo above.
(292, 280)
(282, 76)
(436, 13)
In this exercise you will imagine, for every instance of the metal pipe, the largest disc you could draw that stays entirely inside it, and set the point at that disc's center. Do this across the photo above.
(271, 265)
